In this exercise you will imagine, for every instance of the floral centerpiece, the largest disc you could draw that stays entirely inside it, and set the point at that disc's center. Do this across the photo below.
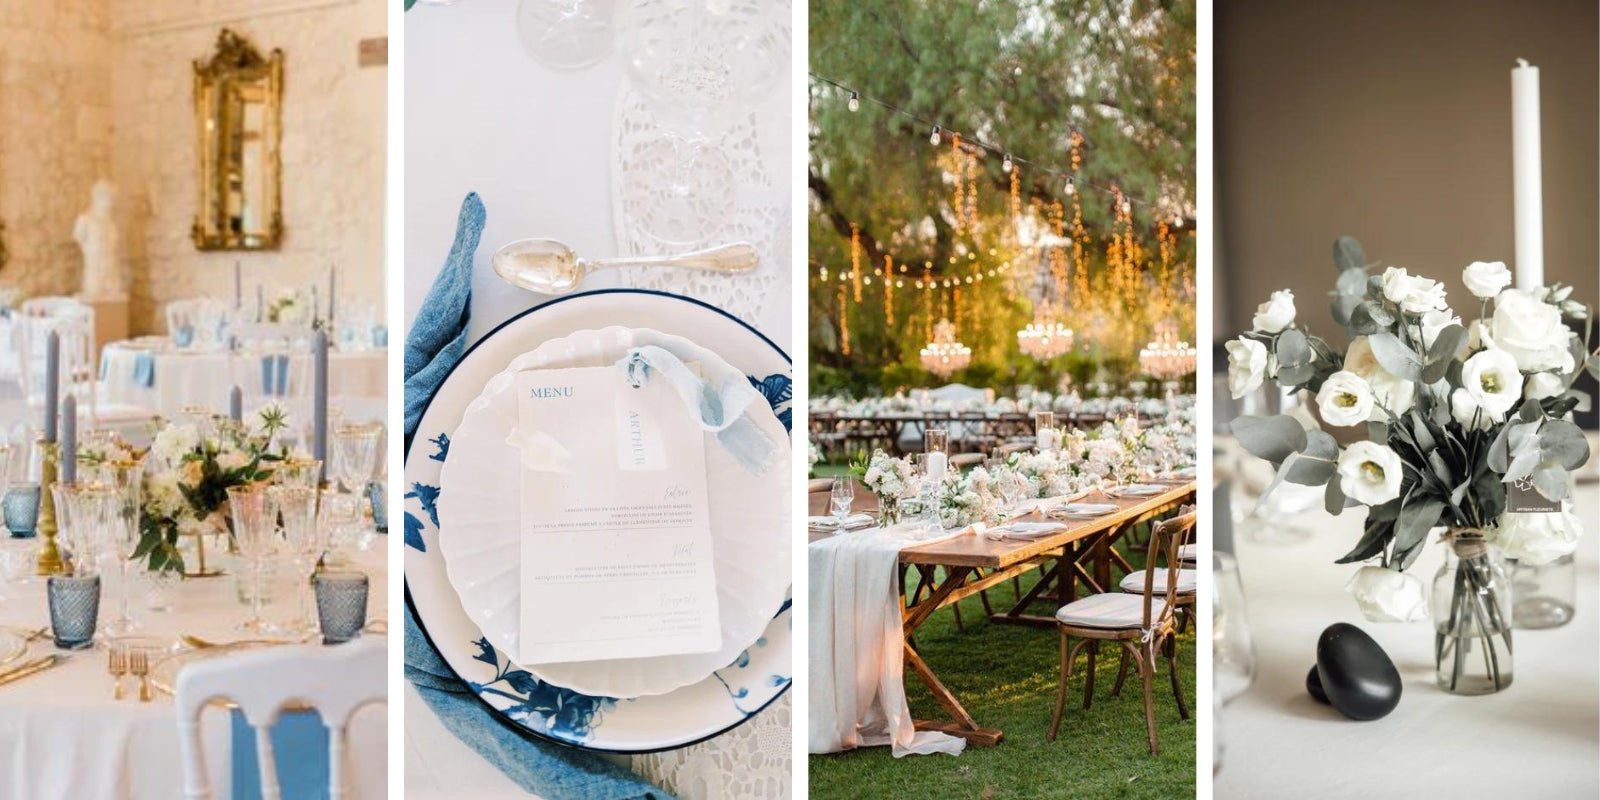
(288, 308)
(1428, 423)
(888, 478)
(190, 468)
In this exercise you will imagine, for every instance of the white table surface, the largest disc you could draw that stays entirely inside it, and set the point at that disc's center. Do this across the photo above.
(193, 378)
(62, 734)
(536, 145)
(1538, 738)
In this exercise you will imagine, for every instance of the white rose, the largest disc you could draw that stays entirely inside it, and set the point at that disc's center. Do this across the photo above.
(1486, 278)
(1435, 321)
(1540, 385)
(1394, 393)
(1469, 414)
(1531, 331)
(1491, 378)
(1247, 366)
(1539, 538)
(1345, 399)
(1370, 473)
(174, 442)
(1413, 293)
(1388, 596)
(1275, 314)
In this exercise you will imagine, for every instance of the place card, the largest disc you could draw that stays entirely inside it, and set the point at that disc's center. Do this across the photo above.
(616, 546)
(1523, 497)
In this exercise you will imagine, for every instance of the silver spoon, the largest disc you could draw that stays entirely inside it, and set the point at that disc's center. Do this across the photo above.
(547, 266)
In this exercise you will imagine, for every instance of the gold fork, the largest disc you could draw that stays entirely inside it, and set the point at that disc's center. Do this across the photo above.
(141, 670)
(118, 668)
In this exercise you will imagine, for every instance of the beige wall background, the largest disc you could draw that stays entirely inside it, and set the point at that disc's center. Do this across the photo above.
(101, 88)
(1391, 122)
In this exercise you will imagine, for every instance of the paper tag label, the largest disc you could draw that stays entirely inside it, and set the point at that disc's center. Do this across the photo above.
(639, 436)
(1523, 497)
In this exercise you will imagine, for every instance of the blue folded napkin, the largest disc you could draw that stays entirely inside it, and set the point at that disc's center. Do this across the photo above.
(275, 375)
(299, 751)
(435, 343)
(183, 336)
(144, 369)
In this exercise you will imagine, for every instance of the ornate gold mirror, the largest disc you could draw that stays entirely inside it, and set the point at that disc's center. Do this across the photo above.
(238, 102)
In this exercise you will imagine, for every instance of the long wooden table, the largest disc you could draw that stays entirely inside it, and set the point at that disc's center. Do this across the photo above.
(951, 570)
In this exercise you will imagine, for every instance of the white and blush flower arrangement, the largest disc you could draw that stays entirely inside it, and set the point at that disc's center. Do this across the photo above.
(1424, 422)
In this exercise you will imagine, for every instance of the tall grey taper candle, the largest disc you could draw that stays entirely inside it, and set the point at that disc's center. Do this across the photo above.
(319, 398)
(52, 384)
(261, 304)
(238, 285)
(333, 277)
(236, 404)
(69, 439)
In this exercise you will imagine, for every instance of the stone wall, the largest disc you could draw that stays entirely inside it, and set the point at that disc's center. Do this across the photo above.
(55, 133)
(104, 88)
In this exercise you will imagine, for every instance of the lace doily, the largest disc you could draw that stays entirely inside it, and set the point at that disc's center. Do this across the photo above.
(752, 760)
(670, 197)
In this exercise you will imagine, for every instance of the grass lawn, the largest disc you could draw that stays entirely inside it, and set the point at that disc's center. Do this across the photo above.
(1006, 677)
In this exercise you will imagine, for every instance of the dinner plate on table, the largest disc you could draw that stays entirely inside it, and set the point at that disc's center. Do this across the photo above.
(828, 524)
(1140, 490)
(722, 700)
(479, 504)
(1085, 509)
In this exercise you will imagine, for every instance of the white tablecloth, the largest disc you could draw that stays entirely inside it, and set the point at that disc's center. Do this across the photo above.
(1537, 738)
(181, 379)
(62, 737)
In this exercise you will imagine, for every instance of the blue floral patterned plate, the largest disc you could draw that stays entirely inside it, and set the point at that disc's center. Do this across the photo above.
(693, 713)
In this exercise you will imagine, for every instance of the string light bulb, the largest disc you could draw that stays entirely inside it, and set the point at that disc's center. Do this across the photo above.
(1005, 164)
(933, 138)
(855, 102)
(1072, 187)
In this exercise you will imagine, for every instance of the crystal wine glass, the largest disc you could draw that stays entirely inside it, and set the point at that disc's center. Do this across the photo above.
(566, 34)
(843, 496)
(355, 455)
(83, 512)
(1232, 650)
(125, 479)
(305, 542)
(254, 525)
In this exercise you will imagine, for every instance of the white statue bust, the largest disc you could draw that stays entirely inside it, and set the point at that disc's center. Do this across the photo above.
(96, 234)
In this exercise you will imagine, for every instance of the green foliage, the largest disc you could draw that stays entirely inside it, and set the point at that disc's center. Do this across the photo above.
(1022, 76)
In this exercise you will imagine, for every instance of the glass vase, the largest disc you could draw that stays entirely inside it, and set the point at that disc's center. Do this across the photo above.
(1472, 618)
(888, 511)
(1543, 595)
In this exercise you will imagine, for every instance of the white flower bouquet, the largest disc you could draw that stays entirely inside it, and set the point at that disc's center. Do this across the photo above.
(1428, 423)
(888, 478)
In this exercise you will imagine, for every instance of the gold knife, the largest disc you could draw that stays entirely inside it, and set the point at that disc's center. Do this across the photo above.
(32, 667)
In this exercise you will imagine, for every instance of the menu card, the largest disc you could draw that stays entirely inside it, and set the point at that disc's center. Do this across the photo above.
(616, 549)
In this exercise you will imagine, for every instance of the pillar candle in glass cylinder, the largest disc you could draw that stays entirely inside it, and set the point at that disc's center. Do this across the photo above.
(1526, 180)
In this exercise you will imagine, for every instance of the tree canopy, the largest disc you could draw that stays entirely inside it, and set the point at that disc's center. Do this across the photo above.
(1101, 89)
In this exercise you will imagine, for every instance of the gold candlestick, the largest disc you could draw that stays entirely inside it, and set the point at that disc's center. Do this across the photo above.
(49, 561)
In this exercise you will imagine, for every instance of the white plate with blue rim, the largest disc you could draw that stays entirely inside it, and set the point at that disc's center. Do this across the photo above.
(748, 519)
(699, 711)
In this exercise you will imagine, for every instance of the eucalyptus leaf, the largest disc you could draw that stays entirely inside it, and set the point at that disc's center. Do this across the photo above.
(1369, 317)
(1375, 534)
(1334, 499)
(1292, 349)
(1299, 375)
(1443, 353)
(1592, 364)
(1416, 519)
(1272, 438)
(1386, 512)
(1343, 306)
(1348, 255)
(1564, 443)
(1378, 431)
(1395, 357)
(1551, 481)
(1314, 465)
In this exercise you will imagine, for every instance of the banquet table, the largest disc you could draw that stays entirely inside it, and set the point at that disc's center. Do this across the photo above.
(1536, 738)
(941, 573)
(63, 737)
(175, 378)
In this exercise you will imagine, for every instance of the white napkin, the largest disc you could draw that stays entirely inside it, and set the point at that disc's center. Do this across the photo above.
(1025, 530)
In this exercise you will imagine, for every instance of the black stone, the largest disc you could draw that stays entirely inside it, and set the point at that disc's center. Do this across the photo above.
(1314, 686)
(1356, 676)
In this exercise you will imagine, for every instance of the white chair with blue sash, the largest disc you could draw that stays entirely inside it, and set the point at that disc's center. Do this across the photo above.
(264, 685)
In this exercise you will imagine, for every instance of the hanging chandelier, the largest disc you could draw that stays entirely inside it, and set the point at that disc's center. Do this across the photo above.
(1045, 337)
(944, 355)
(1167, 357)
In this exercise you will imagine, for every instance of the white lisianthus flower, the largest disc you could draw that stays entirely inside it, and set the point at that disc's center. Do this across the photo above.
(161, 493)
(174, 442)
(231, 459)
(1435, 321)
(1540, 385)
(1413, 293)
(1394, 393)
(1370, 473)
(1531, 331)
(1247, 366)
(1491, 378)
(1345, 399)
(1473, 417)
(1539, 538)
(1275, 314)
(1388, 596)
(1486, 278)
(1479, 336)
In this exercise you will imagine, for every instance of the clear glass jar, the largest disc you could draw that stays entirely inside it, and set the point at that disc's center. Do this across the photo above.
(1544, 595)
(1471, 605)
